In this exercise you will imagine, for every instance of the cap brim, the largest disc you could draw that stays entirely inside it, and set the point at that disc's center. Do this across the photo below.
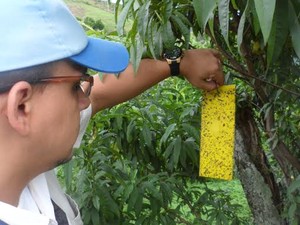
(103, 56)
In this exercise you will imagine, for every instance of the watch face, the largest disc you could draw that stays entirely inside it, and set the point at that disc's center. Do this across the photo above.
(174, 53)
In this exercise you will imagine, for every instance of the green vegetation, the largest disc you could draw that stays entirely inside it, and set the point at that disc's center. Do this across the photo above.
(97, 10)
(124, 175)
(261, 48)
(82, 9)
(139, 160)
(237, 195)
(94, 24)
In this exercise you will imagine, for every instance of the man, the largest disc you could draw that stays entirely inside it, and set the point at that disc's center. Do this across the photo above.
(43, 87)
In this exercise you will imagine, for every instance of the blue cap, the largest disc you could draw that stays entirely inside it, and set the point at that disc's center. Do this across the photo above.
(34, 32)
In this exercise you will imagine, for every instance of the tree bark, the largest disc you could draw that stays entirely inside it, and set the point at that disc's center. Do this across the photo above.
(254, 173)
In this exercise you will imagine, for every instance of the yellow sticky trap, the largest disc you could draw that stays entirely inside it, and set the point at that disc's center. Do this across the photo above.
(217, 133)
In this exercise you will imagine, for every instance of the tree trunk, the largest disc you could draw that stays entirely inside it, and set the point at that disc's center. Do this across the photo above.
(254, 173)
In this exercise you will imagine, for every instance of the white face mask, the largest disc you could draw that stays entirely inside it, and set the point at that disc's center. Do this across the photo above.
(85, 116)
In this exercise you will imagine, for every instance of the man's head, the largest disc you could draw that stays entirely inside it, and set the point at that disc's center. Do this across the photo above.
(44, 55)
(40, 31)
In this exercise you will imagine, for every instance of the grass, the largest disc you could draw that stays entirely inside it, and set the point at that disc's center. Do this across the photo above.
(95, 10)
(233, 189)
(236, 192)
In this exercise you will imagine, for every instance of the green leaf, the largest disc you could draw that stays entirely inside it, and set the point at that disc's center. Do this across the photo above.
(147, 135)
(169, 150)
(95, 217)
(191, 131)
(108, 205)
(136, 52)
(185, 29)
(167, 133)
(119, 122)
(68, 172)
(240, 32)
(129, 132)
(155, 39)
(168, 35)
(279, 31)
(100, 74)
(148, 115)
(204, 10)
(133, 198)
(183, 156)
(265, 11)
(223, 9)
(180, 24)
(166, 194)
(143, 15)
(211, 26)
(188, 112)
(255, 20)
(86, 215)
(154, 192)
(152, 26)
(122, 18)
(190, 149)
(177, 150)
(118, 4)
(234, 5)
(127, 191)
(139, 202)
(96, 202)
(292, 210)
(294, 186)
(131, 36)
(294, 28)
(167, 11)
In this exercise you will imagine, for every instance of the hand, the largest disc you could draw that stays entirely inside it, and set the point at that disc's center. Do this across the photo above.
(202, 68)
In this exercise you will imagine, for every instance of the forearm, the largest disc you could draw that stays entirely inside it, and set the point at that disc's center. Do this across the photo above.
(112, 90)
(201, 67)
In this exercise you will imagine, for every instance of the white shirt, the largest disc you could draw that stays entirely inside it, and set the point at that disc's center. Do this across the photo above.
(35, 206)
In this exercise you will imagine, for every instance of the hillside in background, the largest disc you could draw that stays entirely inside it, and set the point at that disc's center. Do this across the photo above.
(94, 9)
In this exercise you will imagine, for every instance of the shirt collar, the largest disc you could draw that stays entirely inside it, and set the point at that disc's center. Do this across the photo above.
(13, 215)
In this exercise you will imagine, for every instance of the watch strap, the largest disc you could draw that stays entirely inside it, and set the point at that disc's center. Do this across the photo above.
(174, 67)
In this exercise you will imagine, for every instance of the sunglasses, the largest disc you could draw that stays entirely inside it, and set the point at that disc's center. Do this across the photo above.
(85, 82)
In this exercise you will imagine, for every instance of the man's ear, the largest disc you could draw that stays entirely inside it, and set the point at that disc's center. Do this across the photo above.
(19, 107)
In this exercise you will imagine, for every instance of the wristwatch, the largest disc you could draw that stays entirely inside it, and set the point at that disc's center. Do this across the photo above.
(173, 57)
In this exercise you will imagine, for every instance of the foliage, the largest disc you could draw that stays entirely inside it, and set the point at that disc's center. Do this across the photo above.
(148, 174)
(259, 41)
(293, 194)
(260, 47)
(94, 24)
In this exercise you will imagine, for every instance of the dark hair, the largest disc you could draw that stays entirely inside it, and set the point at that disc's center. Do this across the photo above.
(30, 74)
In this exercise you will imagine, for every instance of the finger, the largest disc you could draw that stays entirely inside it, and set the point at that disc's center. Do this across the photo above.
(216, 53)
(219, 77)
(207, 85)
(218, 57)
(210, 77)
(218, 74)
